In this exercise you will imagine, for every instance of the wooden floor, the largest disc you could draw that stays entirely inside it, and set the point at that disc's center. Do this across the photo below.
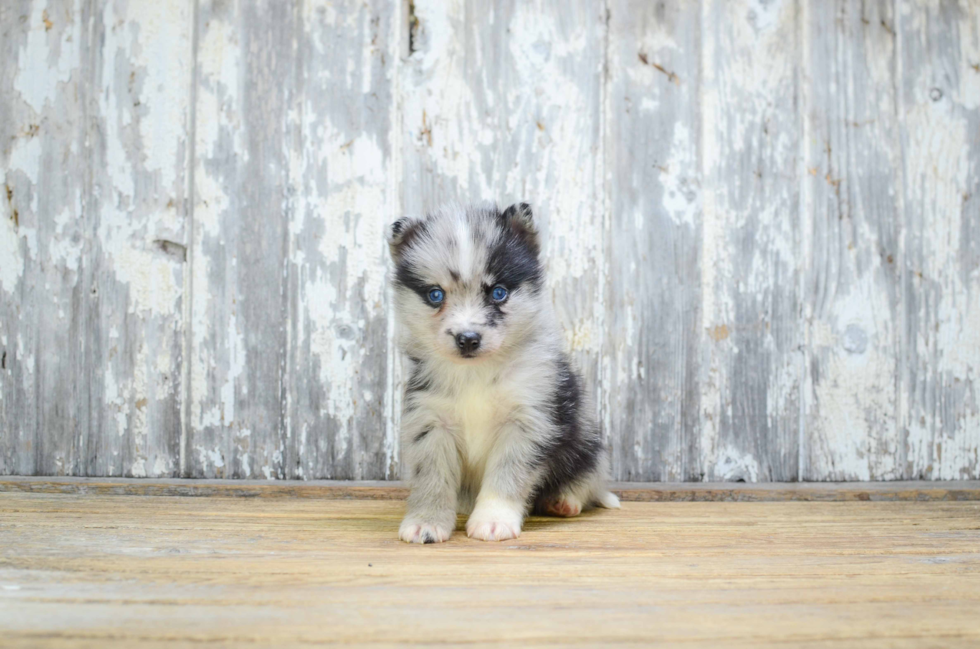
(151, 571)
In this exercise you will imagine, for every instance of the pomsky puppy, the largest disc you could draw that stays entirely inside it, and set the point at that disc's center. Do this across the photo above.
(496, 423)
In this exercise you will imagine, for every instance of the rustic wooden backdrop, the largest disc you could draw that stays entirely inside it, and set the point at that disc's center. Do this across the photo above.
(762, 226)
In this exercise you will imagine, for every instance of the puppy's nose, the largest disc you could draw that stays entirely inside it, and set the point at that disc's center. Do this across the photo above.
(468, 342)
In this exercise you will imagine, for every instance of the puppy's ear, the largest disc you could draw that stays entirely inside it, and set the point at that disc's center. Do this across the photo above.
(400, 234)
(518, 219)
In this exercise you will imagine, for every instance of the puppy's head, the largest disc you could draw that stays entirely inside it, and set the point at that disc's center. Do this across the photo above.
(467, 281)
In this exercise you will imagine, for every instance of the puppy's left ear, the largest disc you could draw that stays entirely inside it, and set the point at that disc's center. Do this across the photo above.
(519, 220)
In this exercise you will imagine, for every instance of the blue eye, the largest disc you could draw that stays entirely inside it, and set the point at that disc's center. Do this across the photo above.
(436, 296)
(499, 294)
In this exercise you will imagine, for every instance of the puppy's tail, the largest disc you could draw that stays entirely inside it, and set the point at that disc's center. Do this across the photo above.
(607, 500)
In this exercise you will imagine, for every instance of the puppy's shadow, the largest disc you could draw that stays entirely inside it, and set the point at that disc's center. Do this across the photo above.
(543, 521)
(536, 522)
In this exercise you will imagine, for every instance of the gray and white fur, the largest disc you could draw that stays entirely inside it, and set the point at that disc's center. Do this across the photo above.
(496, 423)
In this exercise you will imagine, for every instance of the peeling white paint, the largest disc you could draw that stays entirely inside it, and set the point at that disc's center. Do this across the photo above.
(733, 465)
(11, 261)
(162, 30)
(65, 249)
(357, 193)
(138, 469)
(746, 62)
(209, 457)
(151, 280)
(161, 467)
(41, 72)
(25, 157)
(941, 165)
(236, 365)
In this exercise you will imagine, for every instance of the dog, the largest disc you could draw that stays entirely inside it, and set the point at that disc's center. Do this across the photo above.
(496, 422)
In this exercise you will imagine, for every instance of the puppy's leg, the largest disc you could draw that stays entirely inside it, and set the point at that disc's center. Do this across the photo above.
(433, 460)
(507, 484)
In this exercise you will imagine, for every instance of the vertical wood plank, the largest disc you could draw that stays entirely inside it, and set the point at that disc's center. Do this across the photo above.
(105, 96)
(940, 106)
(246, 83)
(852, 229)
(43, 88)
(502, 102)
(341, 198)
(751, 335)
(290, 329)
(139, 132)
(653, 299)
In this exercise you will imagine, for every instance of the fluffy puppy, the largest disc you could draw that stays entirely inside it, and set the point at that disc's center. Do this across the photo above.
(496, 422)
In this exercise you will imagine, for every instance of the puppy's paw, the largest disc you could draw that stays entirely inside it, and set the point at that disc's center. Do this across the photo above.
(417, 530)
(567, 505)
(495, 520)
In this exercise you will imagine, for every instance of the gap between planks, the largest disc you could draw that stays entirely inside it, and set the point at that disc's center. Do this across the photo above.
(966, 490)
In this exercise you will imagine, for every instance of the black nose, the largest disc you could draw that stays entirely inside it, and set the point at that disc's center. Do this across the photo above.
(468, 342)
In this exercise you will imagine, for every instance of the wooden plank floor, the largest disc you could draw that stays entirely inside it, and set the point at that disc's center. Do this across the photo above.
(152, 571)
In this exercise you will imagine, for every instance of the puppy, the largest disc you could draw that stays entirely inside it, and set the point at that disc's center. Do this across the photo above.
(496, 422)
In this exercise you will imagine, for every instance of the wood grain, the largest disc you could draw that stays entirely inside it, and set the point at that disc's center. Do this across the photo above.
(142, 67)
(122, 571)
(852, 233)
(652, 356)
(246, 81)
(289, 350)
(33, 285)
(939, 100)
(751, 330)
(96, 130)
(340, 200)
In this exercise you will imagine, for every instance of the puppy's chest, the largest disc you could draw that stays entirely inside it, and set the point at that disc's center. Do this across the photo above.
(479, 411)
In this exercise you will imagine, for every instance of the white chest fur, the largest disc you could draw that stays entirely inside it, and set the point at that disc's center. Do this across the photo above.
(480, 410)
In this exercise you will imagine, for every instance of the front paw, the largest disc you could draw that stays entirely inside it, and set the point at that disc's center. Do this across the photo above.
(422, 530)
(495, 521)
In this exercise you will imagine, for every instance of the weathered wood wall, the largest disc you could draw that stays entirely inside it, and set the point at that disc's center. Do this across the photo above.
(762, 226)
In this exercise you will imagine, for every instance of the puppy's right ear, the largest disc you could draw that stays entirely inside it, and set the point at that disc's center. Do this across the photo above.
(401, 233)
